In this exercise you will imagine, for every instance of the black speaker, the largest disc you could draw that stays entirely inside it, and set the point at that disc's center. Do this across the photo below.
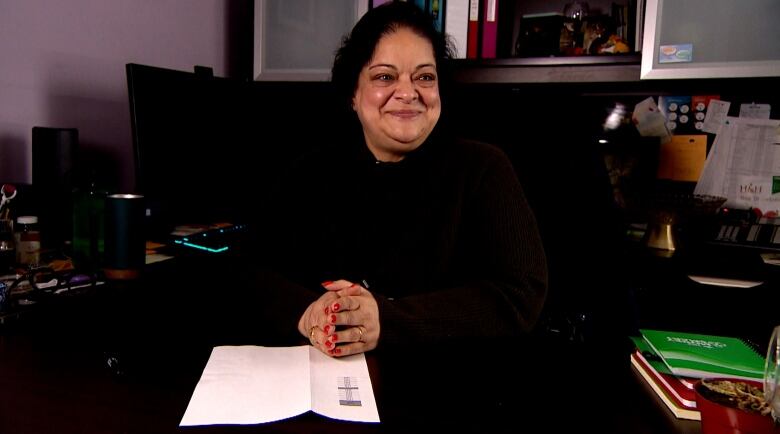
(54, 153)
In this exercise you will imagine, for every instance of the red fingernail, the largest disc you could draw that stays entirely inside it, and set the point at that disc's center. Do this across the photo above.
(333, 318)
(352, 286)
(328, 344)
(337, 350)
(326, 283)
(327, 329)
(336, 307)
(334, 338)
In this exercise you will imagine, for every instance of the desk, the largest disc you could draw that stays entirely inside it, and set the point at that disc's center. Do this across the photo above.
(54, 378)
(52, 386)
(666, 298)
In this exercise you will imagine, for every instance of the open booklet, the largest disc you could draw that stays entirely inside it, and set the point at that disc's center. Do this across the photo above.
(251, 384)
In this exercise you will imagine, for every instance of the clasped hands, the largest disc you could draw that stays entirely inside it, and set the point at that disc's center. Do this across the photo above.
(343, 321)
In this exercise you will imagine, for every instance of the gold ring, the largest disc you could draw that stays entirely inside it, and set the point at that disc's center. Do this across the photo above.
(311, 334)
(360, 330)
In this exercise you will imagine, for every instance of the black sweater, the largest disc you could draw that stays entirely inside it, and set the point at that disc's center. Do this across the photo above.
(445, 240)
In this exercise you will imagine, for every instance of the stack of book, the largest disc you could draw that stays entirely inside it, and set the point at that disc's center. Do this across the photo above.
(672, 362)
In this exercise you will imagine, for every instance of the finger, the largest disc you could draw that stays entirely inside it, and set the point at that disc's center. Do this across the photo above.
(348, 349)
(352, 334)
(328, 330)
(345, 317)
(325, 301)
(351, 290)
(321, 341)
(337, 285)
(345, 303)
(316, 336)
(325, 350)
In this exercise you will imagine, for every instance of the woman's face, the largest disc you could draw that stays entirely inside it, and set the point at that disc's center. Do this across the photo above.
(397, 96)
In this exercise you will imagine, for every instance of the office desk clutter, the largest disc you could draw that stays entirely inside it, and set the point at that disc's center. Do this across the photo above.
(7, 243)
(30, 291)
(719, 380)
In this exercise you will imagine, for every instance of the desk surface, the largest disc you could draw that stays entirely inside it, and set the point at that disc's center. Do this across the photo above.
(61, 384)
(55, 378)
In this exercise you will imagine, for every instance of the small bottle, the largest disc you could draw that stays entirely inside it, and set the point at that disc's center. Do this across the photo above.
(28, 241)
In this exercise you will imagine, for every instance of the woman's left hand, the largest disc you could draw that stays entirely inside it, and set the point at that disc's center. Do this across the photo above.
(357, 318)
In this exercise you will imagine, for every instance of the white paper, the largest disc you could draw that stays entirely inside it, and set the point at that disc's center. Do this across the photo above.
(341, 388)
(742, 165)
(649, 120)
(716, 115)
(755, 111)
(253, 384)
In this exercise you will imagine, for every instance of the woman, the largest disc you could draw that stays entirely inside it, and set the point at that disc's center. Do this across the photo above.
(401, 234)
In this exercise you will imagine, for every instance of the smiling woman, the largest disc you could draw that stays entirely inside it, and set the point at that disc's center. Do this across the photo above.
(397, 99)
(399, 234)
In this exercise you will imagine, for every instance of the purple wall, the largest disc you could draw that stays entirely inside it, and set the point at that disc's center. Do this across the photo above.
(62, 64)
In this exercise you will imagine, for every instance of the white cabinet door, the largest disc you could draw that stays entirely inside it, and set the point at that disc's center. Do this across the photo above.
(711, 39)
(295, 40)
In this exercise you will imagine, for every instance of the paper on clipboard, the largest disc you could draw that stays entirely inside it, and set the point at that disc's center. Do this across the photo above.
(744, 165)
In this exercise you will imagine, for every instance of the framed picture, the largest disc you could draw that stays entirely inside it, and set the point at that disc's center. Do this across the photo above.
(711, 39)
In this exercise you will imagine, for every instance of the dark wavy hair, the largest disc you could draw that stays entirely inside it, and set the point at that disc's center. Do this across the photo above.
(358, 47)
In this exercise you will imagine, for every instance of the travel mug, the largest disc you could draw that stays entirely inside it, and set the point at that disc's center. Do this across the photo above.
(125, 242)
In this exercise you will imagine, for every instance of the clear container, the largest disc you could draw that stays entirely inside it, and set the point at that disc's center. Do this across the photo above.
(28, 241)
(772, 374)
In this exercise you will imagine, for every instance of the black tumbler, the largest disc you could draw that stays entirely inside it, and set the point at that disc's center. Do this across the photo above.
(125, 243)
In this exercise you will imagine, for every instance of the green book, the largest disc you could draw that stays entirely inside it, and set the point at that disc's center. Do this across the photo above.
(650, 356)
(705, 356)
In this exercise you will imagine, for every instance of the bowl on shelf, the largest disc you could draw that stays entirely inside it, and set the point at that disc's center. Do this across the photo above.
(719, 403)
(686, 205)
(668, 211)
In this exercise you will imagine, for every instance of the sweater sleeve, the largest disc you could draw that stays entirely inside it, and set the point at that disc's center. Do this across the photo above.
(502, 280)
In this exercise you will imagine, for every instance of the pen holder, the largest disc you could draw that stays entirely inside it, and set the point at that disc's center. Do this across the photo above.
(125, 242)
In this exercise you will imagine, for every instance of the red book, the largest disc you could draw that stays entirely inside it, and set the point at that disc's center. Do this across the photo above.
(489, 29)
(673, 385)
(688, 382)
(677, 408)
(472, 37)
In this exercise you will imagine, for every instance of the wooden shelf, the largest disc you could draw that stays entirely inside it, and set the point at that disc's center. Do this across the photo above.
(583, 69)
